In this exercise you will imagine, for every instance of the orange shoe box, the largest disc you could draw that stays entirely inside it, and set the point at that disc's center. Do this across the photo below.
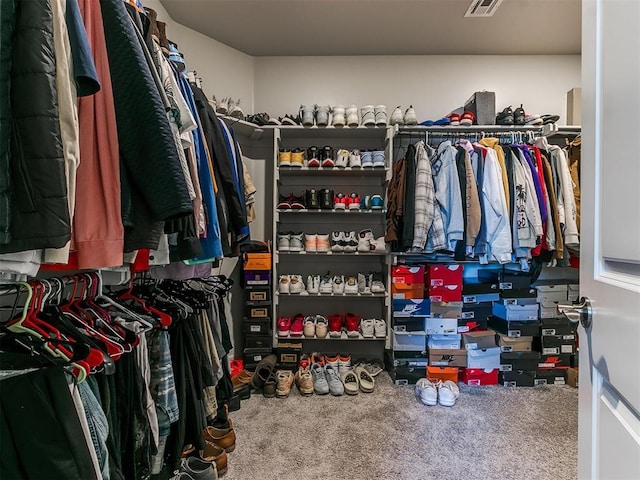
(435, 373)
(257, 261)
(406, 291)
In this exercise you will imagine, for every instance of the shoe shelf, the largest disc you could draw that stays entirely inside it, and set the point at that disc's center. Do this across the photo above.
(342, 337)
(298, 131)
(326, 171)
(246, 129)
(342, 295)
(304, 211)
(321, 254)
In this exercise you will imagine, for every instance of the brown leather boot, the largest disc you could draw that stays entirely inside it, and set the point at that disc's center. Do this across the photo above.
(222, 437)
(214, 453)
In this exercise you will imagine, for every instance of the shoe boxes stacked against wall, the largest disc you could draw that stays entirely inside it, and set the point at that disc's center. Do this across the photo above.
(257, 321)
(481, 330)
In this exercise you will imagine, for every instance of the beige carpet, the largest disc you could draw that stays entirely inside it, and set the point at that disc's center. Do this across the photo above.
(491, 433)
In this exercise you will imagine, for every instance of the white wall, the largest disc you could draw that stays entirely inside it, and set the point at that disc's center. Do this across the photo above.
(435, 85)
(225, 72)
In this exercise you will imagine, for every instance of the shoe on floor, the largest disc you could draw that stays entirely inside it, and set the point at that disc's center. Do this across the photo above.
(304, 381)
(426, 392)
(320, 384)
(373, 368)
(284, 382)
(448, 393)
(269, 387)
(223, 437)
(333, 380)
(366, 381)
(350, 382)
(331, 360)
(215, 454)
(198, 469)
(263, 370)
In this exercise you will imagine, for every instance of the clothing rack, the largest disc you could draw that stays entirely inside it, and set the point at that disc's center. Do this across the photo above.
(519, 133)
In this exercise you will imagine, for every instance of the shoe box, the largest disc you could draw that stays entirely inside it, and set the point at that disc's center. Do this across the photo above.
(515, 311)
(437, 374)
(515, 328)
(573, 292)
(557, 326)
(505, 278)
(476, 311)
(256, 261)
(486, 358)
(253, 356)
(441, 326)
(479, 339)
(556, 344)
(483, 107)
(447, 357)
(258, 294)
(253, 278)
(445, 293)
(288, 354)
(512, 361)
(521, 294)
(549, 296)
(480, 292)
(406, 359)
(449, 309)
(407, 282)
(518, 344)
(551, 376)
(409, 324)
(479, 376)
(258, 340)
(261, 309)
(407, 290)
(407, 375)
(444, 282)
(410, 341)
(257, 326)
(518, 378)
(411, 307)
(564, 360)
(444, 342)
(572, 377)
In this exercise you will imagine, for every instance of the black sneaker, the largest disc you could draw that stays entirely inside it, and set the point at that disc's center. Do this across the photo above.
(284, 202)
(326, 199)
(505, 117)
(326, 157)
(313, 159)
(313, 199)
(298, 203)
(519, 116)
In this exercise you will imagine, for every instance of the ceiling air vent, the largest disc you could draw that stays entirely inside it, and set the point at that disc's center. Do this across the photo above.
(483, 8)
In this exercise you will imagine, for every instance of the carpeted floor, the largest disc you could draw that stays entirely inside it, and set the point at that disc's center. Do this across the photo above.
(491, 433)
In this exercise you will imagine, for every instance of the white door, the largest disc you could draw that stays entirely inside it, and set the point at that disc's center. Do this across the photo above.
(609, 432)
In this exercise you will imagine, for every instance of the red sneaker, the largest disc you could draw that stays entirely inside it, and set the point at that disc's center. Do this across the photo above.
(305, 361)
(237, 365)
(354, 201)
(284, 326)
(352, 323)
(340, 201)
(317, 358)
(297, 326)
(335, 325)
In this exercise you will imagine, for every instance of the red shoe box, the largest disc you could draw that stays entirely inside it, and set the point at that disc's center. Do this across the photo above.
(479, 376)
(441, 275)
(404, 274)
(445, 293)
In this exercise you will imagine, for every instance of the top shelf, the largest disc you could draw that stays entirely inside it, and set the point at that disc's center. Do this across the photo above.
(246, 129)
(472, 129)
(333, 132)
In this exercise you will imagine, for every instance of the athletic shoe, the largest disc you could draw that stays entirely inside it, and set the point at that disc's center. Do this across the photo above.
(396, 117)
(378, 158)
(505, 117)
(338, 116)
(284, 284)
(352, 322)
(410, 116)
(305, 361)
(426, 392)
(454, 119)
(335, 325)
(323, 116)
(376, 202)
(354, 201)
(342, 158)
(313, 284)
(297, 158)
(326, 284)
(322, 326)
(351, 285)
(297, 326)
(298, 203)
(448, 393)
(352, 116)
(322, 244)
(367, 328)
(320, 385)
(284, 202)
(366, 159)
(310, 242)
(379, 245)
(326, 157)
(284, 383)
(326, 199)
(379, 328)
(296, 284)
(338, 284)
(344, 363)
(222, 106)
(339, 202)
(284, 326)
(235, 110)
(312, 199)
(331, 360)
(337, 241)
(380, 112)
(467, 119)
(350, 242)
(377, 285)
(295, 242)
(284, 242)
(312, 157)
(307, 114)
(196, 468)
(284, 158)
(333, 379)
(309, 329)
(365, 237)
(354, 159)
(519, 116)
(317, 359)
(364, 283)
(367, 116)
(304, 381)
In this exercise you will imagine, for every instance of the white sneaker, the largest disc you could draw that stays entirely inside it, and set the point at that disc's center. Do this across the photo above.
(313, 284)
(354, 159)
(365, 237)
(309, 330)
(396, 117)
(364, 283)
(380, 328)
(310, 242)
(350, 242)
(448, 393)
(410, 116)
(337, 241)
(379, 245)
(284, 242)
(322, 244)
(326, 284)
(284, 284)
(342, 158)
(367, 115)
(367, 327)
(352, 116)
(338, 284)
(351, 285)
(344, 363)
(296, 285)
(295, 242)
(377, 285)
(338, 118)
(323, 116)
(380, 113)
(322, 326)
(426, 392)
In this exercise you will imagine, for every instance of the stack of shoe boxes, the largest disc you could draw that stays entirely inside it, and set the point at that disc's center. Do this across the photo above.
(257, 322)
(408, 360)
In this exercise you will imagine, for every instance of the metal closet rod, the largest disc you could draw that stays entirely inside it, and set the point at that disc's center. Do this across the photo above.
(473, 131)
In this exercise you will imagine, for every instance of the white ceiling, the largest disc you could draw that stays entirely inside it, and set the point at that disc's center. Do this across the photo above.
(383, 27)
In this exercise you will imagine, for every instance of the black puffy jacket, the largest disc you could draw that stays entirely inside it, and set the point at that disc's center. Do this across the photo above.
(7, 20)
(39, 213)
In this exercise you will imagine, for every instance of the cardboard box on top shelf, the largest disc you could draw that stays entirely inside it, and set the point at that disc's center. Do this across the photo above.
(483, 106)
(574, 106)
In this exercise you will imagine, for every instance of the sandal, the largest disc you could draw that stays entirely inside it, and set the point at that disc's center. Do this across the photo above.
(367, 383)
(263, 371)
(350, 381)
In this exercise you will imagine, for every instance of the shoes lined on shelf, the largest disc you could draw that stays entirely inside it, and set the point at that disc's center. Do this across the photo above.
(329, 157)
